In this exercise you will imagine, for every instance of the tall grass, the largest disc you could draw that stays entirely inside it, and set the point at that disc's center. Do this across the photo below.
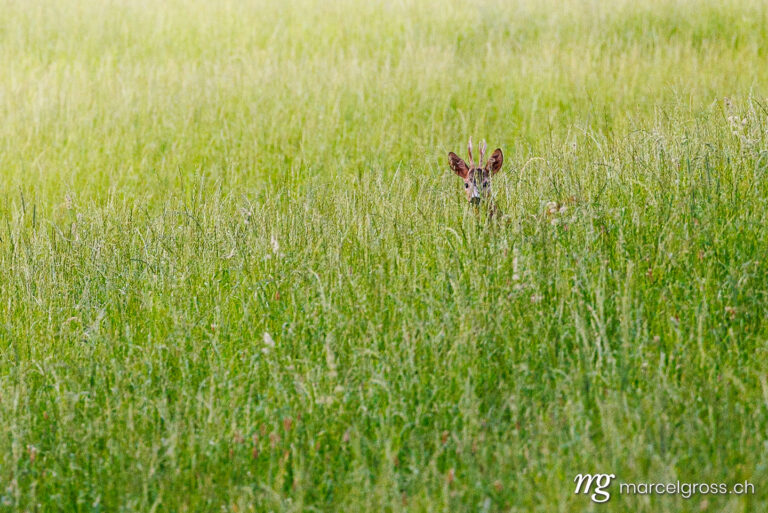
(237, 274)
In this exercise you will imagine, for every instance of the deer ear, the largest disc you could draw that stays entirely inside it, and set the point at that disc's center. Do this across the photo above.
(458, 165)
(495, 161)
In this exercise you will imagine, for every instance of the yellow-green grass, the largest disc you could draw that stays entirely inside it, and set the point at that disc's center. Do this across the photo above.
(237, 274)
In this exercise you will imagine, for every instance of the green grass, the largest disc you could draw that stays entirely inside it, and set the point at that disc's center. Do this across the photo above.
(181, 178)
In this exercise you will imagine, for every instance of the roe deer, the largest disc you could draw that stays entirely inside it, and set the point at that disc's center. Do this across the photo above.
(477, 180)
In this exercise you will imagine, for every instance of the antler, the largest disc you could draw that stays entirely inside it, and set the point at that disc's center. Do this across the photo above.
(469, 150)
(483, 147)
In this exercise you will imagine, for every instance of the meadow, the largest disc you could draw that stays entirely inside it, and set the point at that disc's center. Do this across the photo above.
(237, 273)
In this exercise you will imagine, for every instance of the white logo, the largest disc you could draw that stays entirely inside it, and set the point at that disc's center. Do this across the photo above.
(602, 481)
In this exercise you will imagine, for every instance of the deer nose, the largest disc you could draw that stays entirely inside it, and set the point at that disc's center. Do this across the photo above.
(474, 200)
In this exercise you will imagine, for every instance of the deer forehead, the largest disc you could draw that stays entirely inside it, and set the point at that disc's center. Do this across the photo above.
(478, 174)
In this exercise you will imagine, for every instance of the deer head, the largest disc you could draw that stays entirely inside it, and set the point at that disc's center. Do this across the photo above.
(477, 180)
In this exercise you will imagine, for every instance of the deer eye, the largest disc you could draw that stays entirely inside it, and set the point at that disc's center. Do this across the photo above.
(466, 185)
(485, 184)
